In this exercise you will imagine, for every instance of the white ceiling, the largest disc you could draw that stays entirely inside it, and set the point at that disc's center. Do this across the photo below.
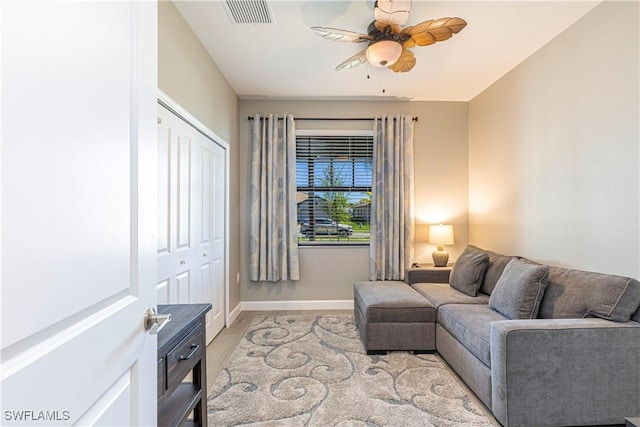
(286, 60)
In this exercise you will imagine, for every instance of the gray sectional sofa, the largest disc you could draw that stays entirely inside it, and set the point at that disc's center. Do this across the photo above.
(538, 345)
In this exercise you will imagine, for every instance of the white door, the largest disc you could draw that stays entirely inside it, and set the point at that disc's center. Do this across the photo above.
(209, 227)
(176, 255)
(191, 218)
(78, 212)
(219, 241)
(166, 207)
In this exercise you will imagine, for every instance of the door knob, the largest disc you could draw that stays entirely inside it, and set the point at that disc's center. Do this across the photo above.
(153, 321)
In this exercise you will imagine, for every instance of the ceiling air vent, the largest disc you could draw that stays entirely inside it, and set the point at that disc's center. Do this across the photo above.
(249, 11)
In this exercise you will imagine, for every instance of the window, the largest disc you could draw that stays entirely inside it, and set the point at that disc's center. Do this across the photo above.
(333, 179)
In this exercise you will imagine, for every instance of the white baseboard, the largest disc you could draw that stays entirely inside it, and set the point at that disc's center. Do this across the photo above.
(233, 314)
(297, 305)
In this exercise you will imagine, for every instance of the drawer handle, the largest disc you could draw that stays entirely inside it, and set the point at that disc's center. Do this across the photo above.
(194, 348)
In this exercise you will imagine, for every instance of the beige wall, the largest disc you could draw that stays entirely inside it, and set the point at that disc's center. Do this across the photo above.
(554, 150)
(440, 190)
(545, 163)
(187, 74)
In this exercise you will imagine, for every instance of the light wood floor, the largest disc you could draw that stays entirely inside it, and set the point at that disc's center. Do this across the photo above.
(220, 349)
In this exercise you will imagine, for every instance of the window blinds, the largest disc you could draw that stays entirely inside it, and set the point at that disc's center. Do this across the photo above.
(334, 163)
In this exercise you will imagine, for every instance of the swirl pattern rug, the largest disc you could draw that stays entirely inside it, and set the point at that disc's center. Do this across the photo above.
(304, 370)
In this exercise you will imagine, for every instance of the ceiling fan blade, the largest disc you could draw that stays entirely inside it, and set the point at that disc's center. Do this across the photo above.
(455, 24)
(432, 31)
(420, 36)
(354, 61)
(392, 12)
(406, 62)
(337, 35)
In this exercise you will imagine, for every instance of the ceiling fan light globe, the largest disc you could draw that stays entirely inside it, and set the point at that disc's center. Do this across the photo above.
(384, 53)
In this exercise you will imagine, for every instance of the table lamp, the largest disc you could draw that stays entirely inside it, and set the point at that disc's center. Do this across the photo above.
(440, 235)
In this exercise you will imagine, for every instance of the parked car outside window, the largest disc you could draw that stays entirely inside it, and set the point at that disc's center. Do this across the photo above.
(325, 226)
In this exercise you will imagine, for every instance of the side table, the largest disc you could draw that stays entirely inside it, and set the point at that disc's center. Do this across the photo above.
(182, 353)
(427, 274)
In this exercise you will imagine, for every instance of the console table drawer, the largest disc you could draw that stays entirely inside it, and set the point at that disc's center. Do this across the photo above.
(183, 357)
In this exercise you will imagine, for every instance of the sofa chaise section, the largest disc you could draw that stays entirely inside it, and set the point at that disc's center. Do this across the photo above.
(392, 316)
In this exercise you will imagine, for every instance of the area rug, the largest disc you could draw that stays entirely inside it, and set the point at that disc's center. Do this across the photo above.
(303, 370)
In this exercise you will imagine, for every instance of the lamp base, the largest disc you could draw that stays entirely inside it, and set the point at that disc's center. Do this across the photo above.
(440, 258)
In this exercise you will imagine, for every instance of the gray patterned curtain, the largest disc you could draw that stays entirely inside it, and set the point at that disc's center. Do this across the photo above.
(273, 220)
(392, 209)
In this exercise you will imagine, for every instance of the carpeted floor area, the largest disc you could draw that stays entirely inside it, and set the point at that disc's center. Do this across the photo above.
(312, 370)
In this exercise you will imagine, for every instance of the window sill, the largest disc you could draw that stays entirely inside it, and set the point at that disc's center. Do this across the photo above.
(332, 245)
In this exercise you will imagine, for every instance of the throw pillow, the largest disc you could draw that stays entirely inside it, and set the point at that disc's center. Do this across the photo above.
(468, 271)
(495, 267)
(519, 290)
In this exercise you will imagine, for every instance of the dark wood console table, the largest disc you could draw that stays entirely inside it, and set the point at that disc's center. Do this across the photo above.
(182, 351)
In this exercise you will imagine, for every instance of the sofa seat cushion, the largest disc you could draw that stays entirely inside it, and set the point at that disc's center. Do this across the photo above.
(441, 293)
(470, 324)
(577, 294)
(392, 301)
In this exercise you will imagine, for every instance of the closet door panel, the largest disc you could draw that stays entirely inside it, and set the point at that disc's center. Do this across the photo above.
(218, 240)
(203, 221)
(184, 247)
(166, 207)
(192, 217)
(183, 287)
(182, 223)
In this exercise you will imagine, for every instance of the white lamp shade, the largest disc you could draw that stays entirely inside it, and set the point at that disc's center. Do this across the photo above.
(383, 53)
(441, 234)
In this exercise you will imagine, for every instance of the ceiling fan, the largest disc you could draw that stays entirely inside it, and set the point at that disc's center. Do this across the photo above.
(388, 42)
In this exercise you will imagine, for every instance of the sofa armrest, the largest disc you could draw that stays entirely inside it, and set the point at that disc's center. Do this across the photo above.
(564, 371)
(427, 275)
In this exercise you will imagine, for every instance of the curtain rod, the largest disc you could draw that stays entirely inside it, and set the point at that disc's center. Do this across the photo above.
(351, 119)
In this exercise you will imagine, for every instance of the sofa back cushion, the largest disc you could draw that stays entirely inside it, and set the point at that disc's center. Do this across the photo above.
(575, 294)
(495, 267)
(519, 290)
(468, 271)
